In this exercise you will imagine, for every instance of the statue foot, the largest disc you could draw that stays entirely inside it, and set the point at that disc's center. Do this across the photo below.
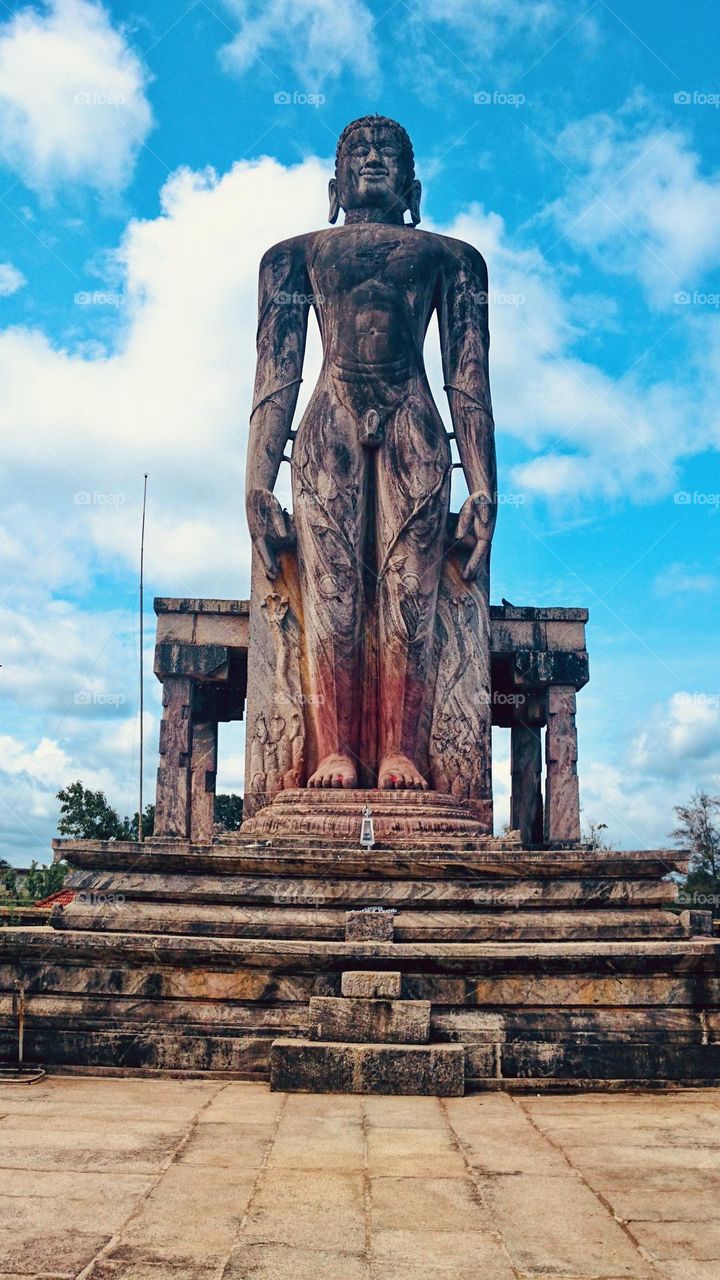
(334, 771)
(398, 773)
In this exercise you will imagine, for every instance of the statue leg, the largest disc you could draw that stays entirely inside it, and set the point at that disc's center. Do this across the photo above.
(412, 502)
(329, 502)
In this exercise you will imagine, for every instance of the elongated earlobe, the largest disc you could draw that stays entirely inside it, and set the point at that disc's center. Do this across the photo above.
(413, 199)
(334, 202)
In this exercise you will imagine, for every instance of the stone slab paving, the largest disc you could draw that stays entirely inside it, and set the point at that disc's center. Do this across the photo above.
(134, 1179)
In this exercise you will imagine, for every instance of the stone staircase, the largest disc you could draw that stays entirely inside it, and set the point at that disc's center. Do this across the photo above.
(368, 1040)
(537, 967)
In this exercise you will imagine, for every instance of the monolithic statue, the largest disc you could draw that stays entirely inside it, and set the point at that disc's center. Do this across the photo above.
(371, 460)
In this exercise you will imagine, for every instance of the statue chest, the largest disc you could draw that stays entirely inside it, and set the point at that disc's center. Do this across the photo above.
(388, 274)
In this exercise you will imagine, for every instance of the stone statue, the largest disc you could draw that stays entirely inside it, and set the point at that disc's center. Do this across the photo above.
(371, 460)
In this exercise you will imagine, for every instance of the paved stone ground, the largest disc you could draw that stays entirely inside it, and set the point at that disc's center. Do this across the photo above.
(196, 1180)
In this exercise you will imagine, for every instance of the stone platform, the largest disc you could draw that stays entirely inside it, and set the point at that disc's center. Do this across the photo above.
(546, 967)
(213, 1180)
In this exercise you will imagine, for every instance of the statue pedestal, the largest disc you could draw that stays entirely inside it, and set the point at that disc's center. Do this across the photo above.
(400, 818)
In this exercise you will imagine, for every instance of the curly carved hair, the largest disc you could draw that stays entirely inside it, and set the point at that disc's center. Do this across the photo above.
(373, 122)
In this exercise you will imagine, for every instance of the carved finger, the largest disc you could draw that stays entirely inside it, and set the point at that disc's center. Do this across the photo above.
(270, 564)
(473, 563)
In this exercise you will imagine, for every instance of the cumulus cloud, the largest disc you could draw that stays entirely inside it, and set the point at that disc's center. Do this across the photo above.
(684, 733)
(73, 104)
(590, 433)
(640, 203)
(318, 38)
(10, 279)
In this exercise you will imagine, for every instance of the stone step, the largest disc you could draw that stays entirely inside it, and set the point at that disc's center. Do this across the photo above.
(507, 892)
(310, 1066)
(371, 985)
(270, 923)
(370, 1021)
(444, 860)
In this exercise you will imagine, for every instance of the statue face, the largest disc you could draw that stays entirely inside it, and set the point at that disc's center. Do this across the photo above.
(371, 172)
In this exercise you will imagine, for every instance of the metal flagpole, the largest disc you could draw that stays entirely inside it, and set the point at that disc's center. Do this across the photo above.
(142, 663)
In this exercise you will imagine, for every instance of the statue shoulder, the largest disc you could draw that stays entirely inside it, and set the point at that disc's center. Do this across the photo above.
(286, 253)
(464, 257)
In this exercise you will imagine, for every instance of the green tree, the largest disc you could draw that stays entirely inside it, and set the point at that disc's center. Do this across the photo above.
(698, 830)
(229, 811)
(10, 882)
(148, 823)
(87, 815)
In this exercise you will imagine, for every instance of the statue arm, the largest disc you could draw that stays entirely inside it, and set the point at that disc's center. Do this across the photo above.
(283, 305)
(465, 341)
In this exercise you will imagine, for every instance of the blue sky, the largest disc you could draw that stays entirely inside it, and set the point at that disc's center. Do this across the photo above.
(149, 154)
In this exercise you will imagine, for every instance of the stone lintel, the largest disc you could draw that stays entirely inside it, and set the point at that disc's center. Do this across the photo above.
(197, 661)
(542, 669)
(528, 613)
(171, 604)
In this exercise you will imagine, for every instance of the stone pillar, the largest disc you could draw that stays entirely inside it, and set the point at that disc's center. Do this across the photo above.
(562, 800)
(203, 769)
(526, 803)
(172, 803)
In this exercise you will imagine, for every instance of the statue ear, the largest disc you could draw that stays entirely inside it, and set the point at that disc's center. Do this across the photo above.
(413, 199)
(334, 202)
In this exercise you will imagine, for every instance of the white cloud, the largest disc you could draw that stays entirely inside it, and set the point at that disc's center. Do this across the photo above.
(679, 579)
(640, 203)
(73, 106)
(319, 38)
(10, 279)
(592, 435)
(683, 734)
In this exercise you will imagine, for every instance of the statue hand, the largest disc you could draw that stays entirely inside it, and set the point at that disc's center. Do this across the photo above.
(270, 528)
(475, 526)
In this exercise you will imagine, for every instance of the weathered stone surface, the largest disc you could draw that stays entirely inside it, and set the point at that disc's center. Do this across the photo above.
(485, 858)
(371, 546)
(313, 1067)
(369, 985)
(370, 925)
(562, 802)
(373, 1021)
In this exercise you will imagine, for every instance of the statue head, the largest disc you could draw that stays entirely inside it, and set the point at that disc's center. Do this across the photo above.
(375, 172)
